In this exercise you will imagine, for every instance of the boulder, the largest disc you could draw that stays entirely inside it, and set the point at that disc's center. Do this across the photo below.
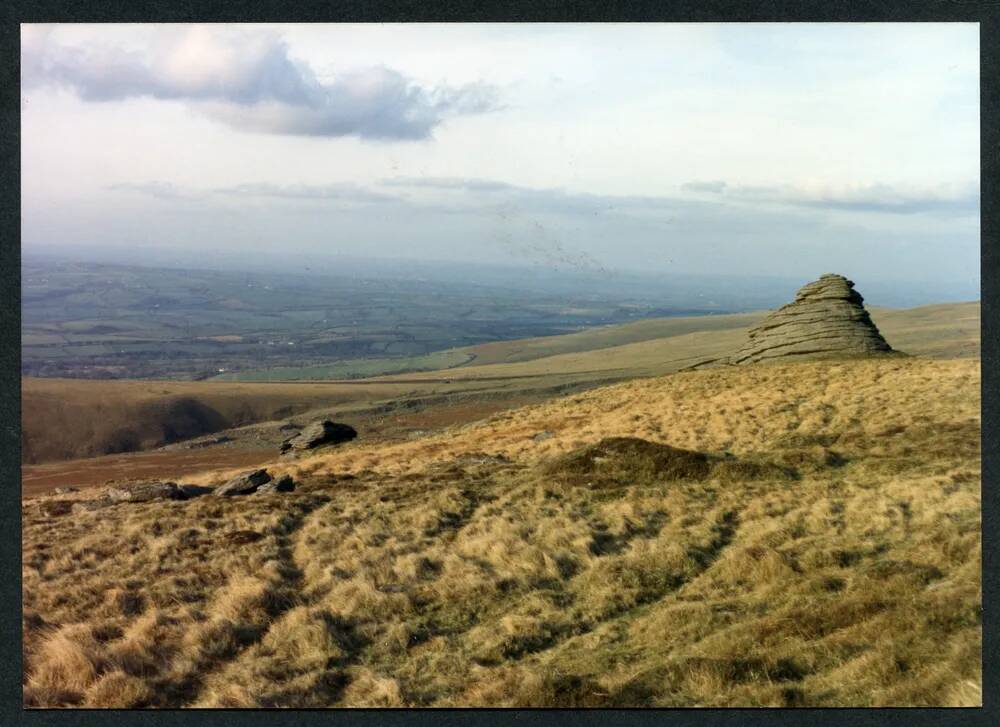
(827, 319)
(285, 483)
(145, 492)
(244, 483)
(66, 490)
(81, 506)
(195, 490)
(55, 508)
(482, 458)
(318, 434)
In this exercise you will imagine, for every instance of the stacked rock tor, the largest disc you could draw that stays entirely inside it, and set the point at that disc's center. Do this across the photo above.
(827, 319)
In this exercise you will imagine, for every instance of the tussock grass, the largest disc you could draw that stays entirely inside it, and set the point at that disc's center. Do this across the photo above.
(482, 567)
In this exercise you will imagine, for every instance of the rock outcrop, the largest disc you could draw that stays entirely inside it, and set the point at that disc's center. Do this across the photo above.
(243, 484)
(145, 492)
(285, 483)
(318, 434)
(827, 319)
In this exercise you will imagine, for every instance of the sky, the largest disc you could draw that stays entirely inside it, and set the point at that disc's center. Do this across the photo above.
(757, 149)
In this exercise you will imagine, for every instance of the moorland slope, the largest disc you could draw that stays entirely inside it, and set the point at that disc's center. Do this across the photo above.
(814, 541)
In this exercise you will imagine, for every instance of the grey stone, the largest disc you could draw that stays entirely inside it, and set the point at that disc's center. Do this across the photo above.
(145, 492)
(92, 505)
(56, 508)
(244, 484)
(285, 483)
(827, 319)
(195, 490)
(66, 490)
(320, 433)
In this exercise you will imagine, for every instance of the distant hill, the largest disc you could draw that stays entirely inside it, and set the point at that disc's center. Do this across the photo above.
(949, 330)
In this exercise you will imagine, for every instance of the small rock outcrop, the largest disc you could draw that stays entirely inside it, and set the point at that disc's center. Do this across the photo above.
(195, 490)
(100, 503)
(827, 319)
(56, 508)
(243, 484)
(145, 492)
(285, 483)
(318, 434)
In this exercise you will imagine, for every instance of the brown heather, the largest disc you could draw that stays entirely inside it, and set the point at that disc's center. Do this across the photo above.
(827, 555)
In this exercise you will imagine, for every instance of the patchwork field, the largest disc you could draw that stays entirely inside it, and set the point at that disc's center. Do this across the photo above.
(778, 535)
(68, 419)
(99, 321)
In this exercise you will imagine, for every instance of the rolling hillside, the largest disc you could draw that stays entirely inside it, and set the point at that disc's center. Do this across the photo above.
(814, 542)
(66, 419)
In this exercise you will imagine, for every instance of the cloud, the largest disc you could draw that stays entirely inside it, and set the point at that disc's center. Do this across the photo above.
(341, 192)
(538, 199)
(445, 218)
(715, 186)
(338, 192)
(884, 198)
(159, 190)
(249, 81)
(460, 183)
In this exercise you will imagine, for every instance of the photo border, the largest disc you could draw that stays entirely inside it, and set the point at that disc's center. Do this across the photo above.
(984, 12)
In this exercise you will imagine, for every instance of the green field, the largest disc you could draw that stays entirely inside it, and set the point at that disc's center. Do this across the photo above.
(647, 348)
(119, 322)
(355, 368)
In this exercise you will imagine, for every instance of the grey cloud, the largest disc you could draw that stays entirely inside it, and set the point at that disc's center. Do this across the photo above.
(716, 186)
(531, 223)
(873, 198)
(341, 192)
(965, 204)
(159, 190)
(249, 82)
(460, 183)
(546, 228)
(511, 200)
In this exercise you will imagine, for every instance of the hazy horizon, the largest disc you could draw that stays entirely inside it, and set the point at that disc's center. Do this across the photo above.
(747, 291)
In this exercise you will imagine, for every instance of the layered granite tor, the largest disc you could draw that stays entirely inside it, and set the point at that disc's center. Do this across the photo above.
(827, 319)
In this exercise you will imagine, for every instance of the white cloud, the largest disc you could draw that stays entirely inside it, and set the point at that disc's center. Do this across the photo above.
(944, 199)
(249, 81)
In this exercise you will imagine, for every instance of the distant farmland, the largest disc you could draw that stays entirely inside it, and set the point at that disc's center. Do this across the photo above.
(355, 368)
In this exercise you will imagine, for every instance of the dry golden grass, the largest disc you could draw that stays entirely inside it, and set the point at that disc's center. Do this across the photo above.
(947, 330)
(714, 410)
(833, 560)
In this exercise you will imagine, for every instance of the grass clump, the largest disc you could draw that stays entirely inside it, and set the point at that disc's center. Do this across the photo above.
(630, 460)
